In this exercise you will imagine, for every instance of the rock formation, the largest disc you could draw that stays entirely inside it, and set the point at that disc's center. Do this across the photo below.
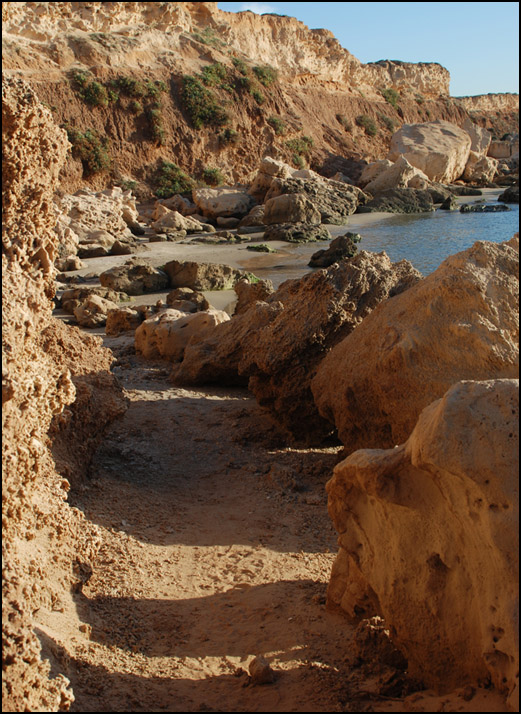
(279, 344)
(37, 390)
(428, 538)
(439, 149)
(460, 322)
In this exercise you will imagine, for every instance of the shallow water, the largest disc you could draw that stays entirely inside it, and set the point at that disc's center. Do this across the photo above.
(424, 239)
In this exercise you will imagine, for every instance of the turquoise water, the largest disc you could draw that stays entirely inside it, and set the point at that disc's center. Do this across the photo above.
(427, 239)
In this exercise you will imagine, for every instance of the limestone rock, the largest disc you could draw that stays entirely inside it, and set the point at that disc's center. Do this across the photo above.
(483, 208)
(460, 322)
(447, 586)
(172, 221)
(511, 195)
(122, 319)
(480, 169)
(297, 233)
(223, 201)
(254, 218)
(268, 170)
(399, 200)
(439, 149)
(72, 298)
(479, 136)
(336, 201)
(135, 277)
(92, 312)
(278, 344)
(291, 208)
(187, 300)
(249, 293)
(202, 276)
(342, 247)
(398, 175)
(373, 170)
(167, 334)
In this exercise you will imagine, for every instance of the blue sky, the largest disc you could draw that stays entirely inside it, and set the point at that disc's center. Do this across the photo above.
(478, 42)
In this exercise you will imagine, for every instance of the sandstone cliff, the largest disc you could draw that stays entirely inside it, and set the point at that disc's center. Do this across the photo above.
(316, 103)
(47, 546)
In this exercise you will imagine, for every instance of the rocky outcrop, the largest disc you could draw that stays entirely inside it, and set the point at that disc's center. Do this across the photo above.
(342, 247)
(167, 334)
(480, 169)
(511, 195)
(223, 201)
(135, 277)
(398, 175)
(291, 208)
(428, 538)
(279, 344)
(296, 233)
(439, 149)
(335, 200)
(399, 200)
(202, 276)
(460, 322)
(42, 537)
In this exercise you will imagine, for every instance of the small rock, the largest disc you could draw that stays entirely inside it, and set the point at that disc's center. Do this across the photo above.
(260, 671)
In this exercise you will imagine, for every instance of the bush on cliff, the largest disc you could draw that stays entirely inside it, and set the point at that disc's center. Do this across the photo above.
(367, 124)
(201, 104)
(171, 179)
(90, 148)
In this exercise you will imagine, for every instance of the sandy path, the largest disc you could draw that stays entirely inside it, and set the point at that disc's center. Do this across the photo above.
(216, 546)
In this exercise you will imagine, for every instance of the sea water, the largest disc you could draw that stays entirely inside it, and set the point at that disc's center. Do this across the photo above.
(425, 239)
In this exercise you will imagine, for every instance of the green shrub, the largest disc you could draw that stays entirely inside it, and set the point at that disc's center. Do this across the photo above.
(90, 148)
(367, 124)
(135, 106)
(155, 123)
(265, 74)
(244, 83)
(228, 136)
(214, 74)
(419, 99)
(201, 104)
(301, 145)
(240, 66)
(91, 91)
(130, 87)
(342, 119)
(257, 95)
(278, 125)
(298, 161)
(387, 122)
(213, 177)
(171, 180)
(208, 36)
(391, 96)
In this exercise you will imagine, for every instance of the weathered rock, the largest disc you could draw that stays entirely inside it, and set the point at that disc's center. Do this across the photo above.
(480, 169)
(460, 322)
(260, 671)
(268, 170)
(167, 334)
(479, 136)
(504, 149)
(92, 250)
(69, 263)
(202, 276)
(297, 233)
(179, 203)
(336, 201)
(511, 195)
(449, 204)
(249, 293)
(93, 311)
(454, 595)
(254, 218)
(135, 277)
(224, 222)
(72, 298)
(483, 208)
(41, 535)
(399, 175)
(440, 149)
(279, 344)
(187, 300)
(213, 358)
(122, 319)
(166, 220)
(399, 200)
(223, 201)
(340, 248)
(291, 208)
(373, 170)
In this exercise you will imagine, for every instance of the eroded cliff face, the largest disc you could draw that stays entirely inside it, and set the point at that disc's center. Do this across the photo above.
(47, 546)
(321, 91)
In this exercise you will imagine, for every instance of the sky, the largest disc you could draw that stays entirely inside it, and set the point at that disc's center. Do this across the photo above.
(478, 42)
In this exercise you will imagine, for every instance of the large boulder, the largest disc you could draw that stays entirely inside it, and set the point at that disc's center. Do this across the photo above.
(373, 170)
(399, 200)
(202, 276)
(398, 175)
(166, 335)
(291, 208)
(268, 170)
(440, 149)
(223, 201)
(297, 232)
(511, 195)
(460, 322)
(135, 277)
(335, 200)
(479, 136)
(279, 343)
(428, 536)
(480, 169)
(339, 249)
(167, 220)
(93, 311)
